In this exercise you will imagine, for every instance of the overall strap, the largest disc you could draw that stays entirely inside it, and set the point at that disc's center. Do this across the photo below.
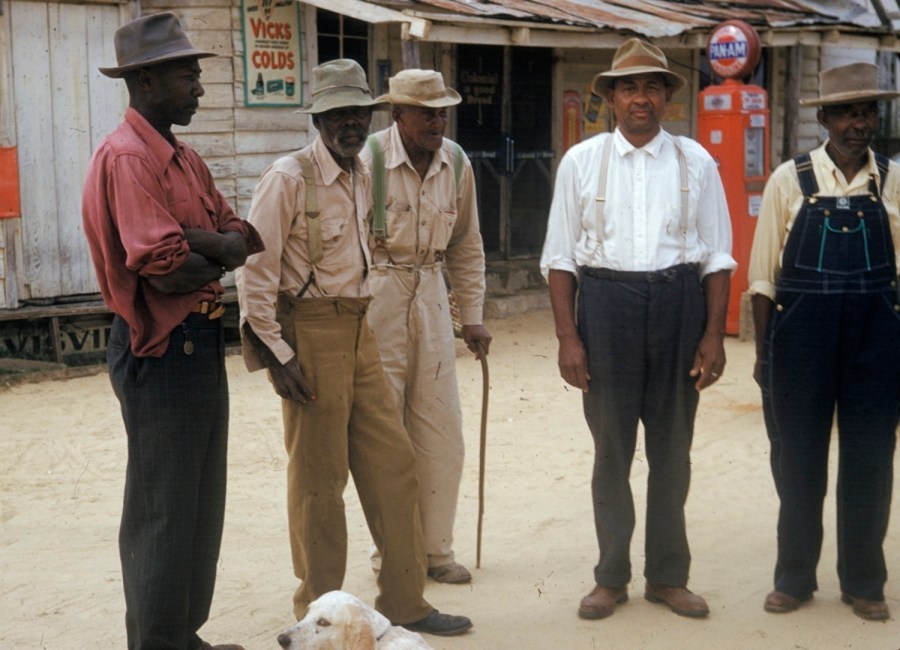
(458, 161)
(311, 209)
(883, 163)
(808, 184)
(379, 190)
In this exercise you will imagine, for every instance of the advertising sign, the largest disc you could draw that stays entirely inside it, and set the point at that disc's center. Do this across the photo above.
(733, 49)
(272, 65)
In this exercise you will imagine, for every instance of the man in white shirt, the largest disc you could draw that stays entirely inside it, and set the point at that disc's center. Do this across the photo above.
(640, 228)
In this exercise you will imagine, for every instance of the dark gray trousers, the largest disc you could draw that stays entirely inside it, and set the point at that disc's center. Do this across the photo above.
(175, 410)
(641, 337)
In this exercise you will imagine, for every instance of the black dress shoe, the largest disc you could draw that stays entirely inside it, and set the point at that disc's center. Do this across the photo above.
(440, 624)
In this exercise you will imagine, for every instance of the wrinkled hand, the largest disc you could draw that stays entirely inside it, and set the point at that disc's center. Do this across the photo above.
(709, 361)
(290, 382)
(478, 339)
(573, 365)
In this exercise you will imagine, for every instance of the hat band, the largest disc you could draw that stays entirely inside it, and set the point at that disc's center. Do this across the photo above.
(640, 61)
(437, 95)
(318, 91)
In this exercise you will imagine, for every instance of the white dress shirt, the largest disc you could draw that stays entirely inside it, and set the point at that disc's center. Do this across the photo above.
(642, 210)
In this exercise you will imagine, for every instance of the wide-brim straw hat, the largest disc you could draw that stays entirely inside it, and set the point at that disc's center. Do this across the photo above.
(634, 57)
(416, 87)
(149, 41)
(849, 84)
(340, 83)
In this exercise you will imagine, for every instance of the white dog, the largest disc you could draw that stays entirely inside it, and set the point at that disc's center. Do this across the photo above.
(341, 621)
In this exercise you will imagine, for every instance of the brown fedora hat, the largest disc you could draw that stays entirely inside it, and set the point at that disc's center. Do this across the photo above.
(416, 87)
(634, 57)
(340, 83)
(849, 84)
(151, 40)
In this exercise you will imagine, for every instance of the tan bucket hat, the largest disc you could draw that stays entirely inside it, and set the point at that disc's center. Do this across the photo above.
(849, 84)
(416, 87)
(340, 83)
(151, 40)
(633, 57)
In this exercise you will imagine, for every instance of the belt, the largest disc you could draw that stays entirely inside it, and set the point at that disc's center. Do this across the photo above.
(210, 309)
(664, 275)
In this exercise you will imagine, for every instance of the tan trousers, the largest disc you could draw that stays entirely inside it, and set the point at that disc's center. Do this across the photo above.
(410, 315)
(348, 428)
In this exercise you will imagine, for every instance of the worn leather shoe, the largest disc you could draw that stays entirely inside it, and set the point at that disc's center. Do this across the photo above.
(680, 600)
(453, 573)
(779, 602)
(440, 624)
(602, 601)
(871, 610)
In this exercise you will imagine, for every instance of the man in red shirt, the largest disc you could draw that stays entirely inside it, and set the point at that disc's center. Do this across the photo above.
(161, 237)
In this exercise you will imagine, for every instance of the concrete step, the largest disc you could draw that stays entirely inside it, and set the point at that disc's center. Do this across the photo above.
(523, 301)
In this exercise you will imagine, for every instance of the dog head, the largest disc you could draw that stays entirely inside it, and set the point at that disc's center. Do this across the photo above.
(336, 621)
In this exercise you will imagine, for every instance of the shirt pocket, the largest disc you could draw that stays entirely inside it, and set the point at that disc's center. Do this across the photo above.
(442, 230)
(401, 231)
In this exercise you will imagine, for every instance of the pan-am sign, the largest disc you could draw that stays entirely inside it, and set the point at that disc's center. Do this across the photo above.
(733, 49)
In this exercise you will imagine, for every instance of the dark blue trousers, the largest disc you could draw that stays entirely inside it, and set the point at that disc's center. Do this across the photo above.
(641, 338)
(175, 410)
(832, 353)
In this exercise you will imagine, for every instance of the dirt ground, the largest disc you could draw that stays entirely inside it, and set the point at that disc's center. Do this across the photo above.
(62, 459)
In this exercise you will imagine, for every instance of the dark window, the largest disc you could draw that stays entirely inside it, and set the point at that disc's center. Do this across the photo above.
(341, 37)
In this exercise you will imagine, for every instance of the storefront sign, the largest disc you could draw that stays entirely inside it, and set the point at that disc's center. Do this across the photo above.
(272, 65)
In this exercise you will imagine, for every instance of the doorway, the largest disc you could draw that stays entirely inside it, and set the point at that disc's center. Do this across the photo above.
(504, 124)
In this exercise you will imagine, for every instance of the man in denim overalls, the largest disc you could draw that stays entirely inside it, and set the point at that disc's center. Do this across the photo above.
(823, 279)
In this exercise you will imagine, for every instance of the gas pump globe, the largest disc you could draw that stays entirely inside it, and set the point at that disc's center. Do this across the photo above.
(733, 125)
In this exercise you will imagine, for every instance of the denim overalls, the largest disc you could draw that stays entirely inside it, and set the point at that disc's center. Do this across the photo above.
(834, 341)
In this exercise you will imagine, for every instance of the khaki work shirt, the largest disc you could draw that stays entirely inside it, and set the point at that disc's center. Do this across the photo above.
(433, 219)
(278, 212)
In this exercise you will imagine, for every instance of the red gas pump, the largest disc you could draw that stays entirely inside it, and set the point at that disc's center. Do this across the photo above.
(733, 125)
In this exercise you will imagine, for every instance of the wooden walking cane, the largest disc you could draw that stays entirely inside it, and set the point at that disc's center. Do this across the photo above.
(485, 391)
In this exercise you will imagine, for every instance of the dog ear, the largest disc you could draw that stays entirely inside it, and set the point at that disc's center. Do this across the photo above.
(359, 634)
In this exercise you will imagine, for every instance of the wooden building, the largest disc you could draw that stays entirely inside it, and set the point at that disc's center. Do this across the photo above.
(521, 65)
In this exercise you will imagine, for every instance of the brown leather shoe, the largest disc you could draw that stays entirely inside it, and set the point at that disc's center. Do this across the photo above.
(680, 600)
(871, 610)
(779, 602)
(602, 601)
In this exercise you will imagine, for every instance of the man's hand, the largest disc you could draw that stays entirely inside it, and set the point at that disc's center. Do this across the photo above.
(229, 249)
(477, 339)
(573, 365)
(709, 360)
(290, 382)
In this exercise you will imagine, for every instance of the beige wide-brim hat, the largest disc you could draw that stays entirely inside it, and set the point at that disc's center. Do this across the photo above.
(149, 41)
(849, 84)
(634, 57)
(416, 87)
(340, 83)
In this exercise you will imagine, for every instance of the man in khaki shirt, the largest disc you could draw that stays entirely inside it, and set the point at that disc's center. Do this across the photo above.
(425, 189)
(303, 318)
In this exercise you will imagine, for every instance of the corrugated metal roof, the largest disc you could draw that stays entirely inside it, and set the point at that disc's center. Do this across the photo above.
(657, 18)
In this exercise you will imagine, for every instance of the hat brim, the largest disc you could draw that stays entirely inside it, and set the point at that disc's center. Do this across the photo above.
(602, 79)
(117, 72)
(449, 98)
(343, 98)
(854, 97)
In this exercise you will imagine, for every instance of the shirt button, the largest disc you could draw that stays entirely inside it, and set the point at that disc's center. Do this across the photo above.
(779, 307)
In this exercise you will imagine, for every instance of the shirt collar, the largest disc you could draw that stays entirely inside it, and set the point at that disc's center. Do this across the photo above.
(867, 170)
(158, 146)
(328, 166)
(654, 147)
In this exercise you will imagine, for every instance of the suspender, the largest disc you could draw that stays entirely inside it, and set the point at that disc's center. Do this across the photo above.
(313, 224)
(379, 185)
(810, 187)
(685, 192)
